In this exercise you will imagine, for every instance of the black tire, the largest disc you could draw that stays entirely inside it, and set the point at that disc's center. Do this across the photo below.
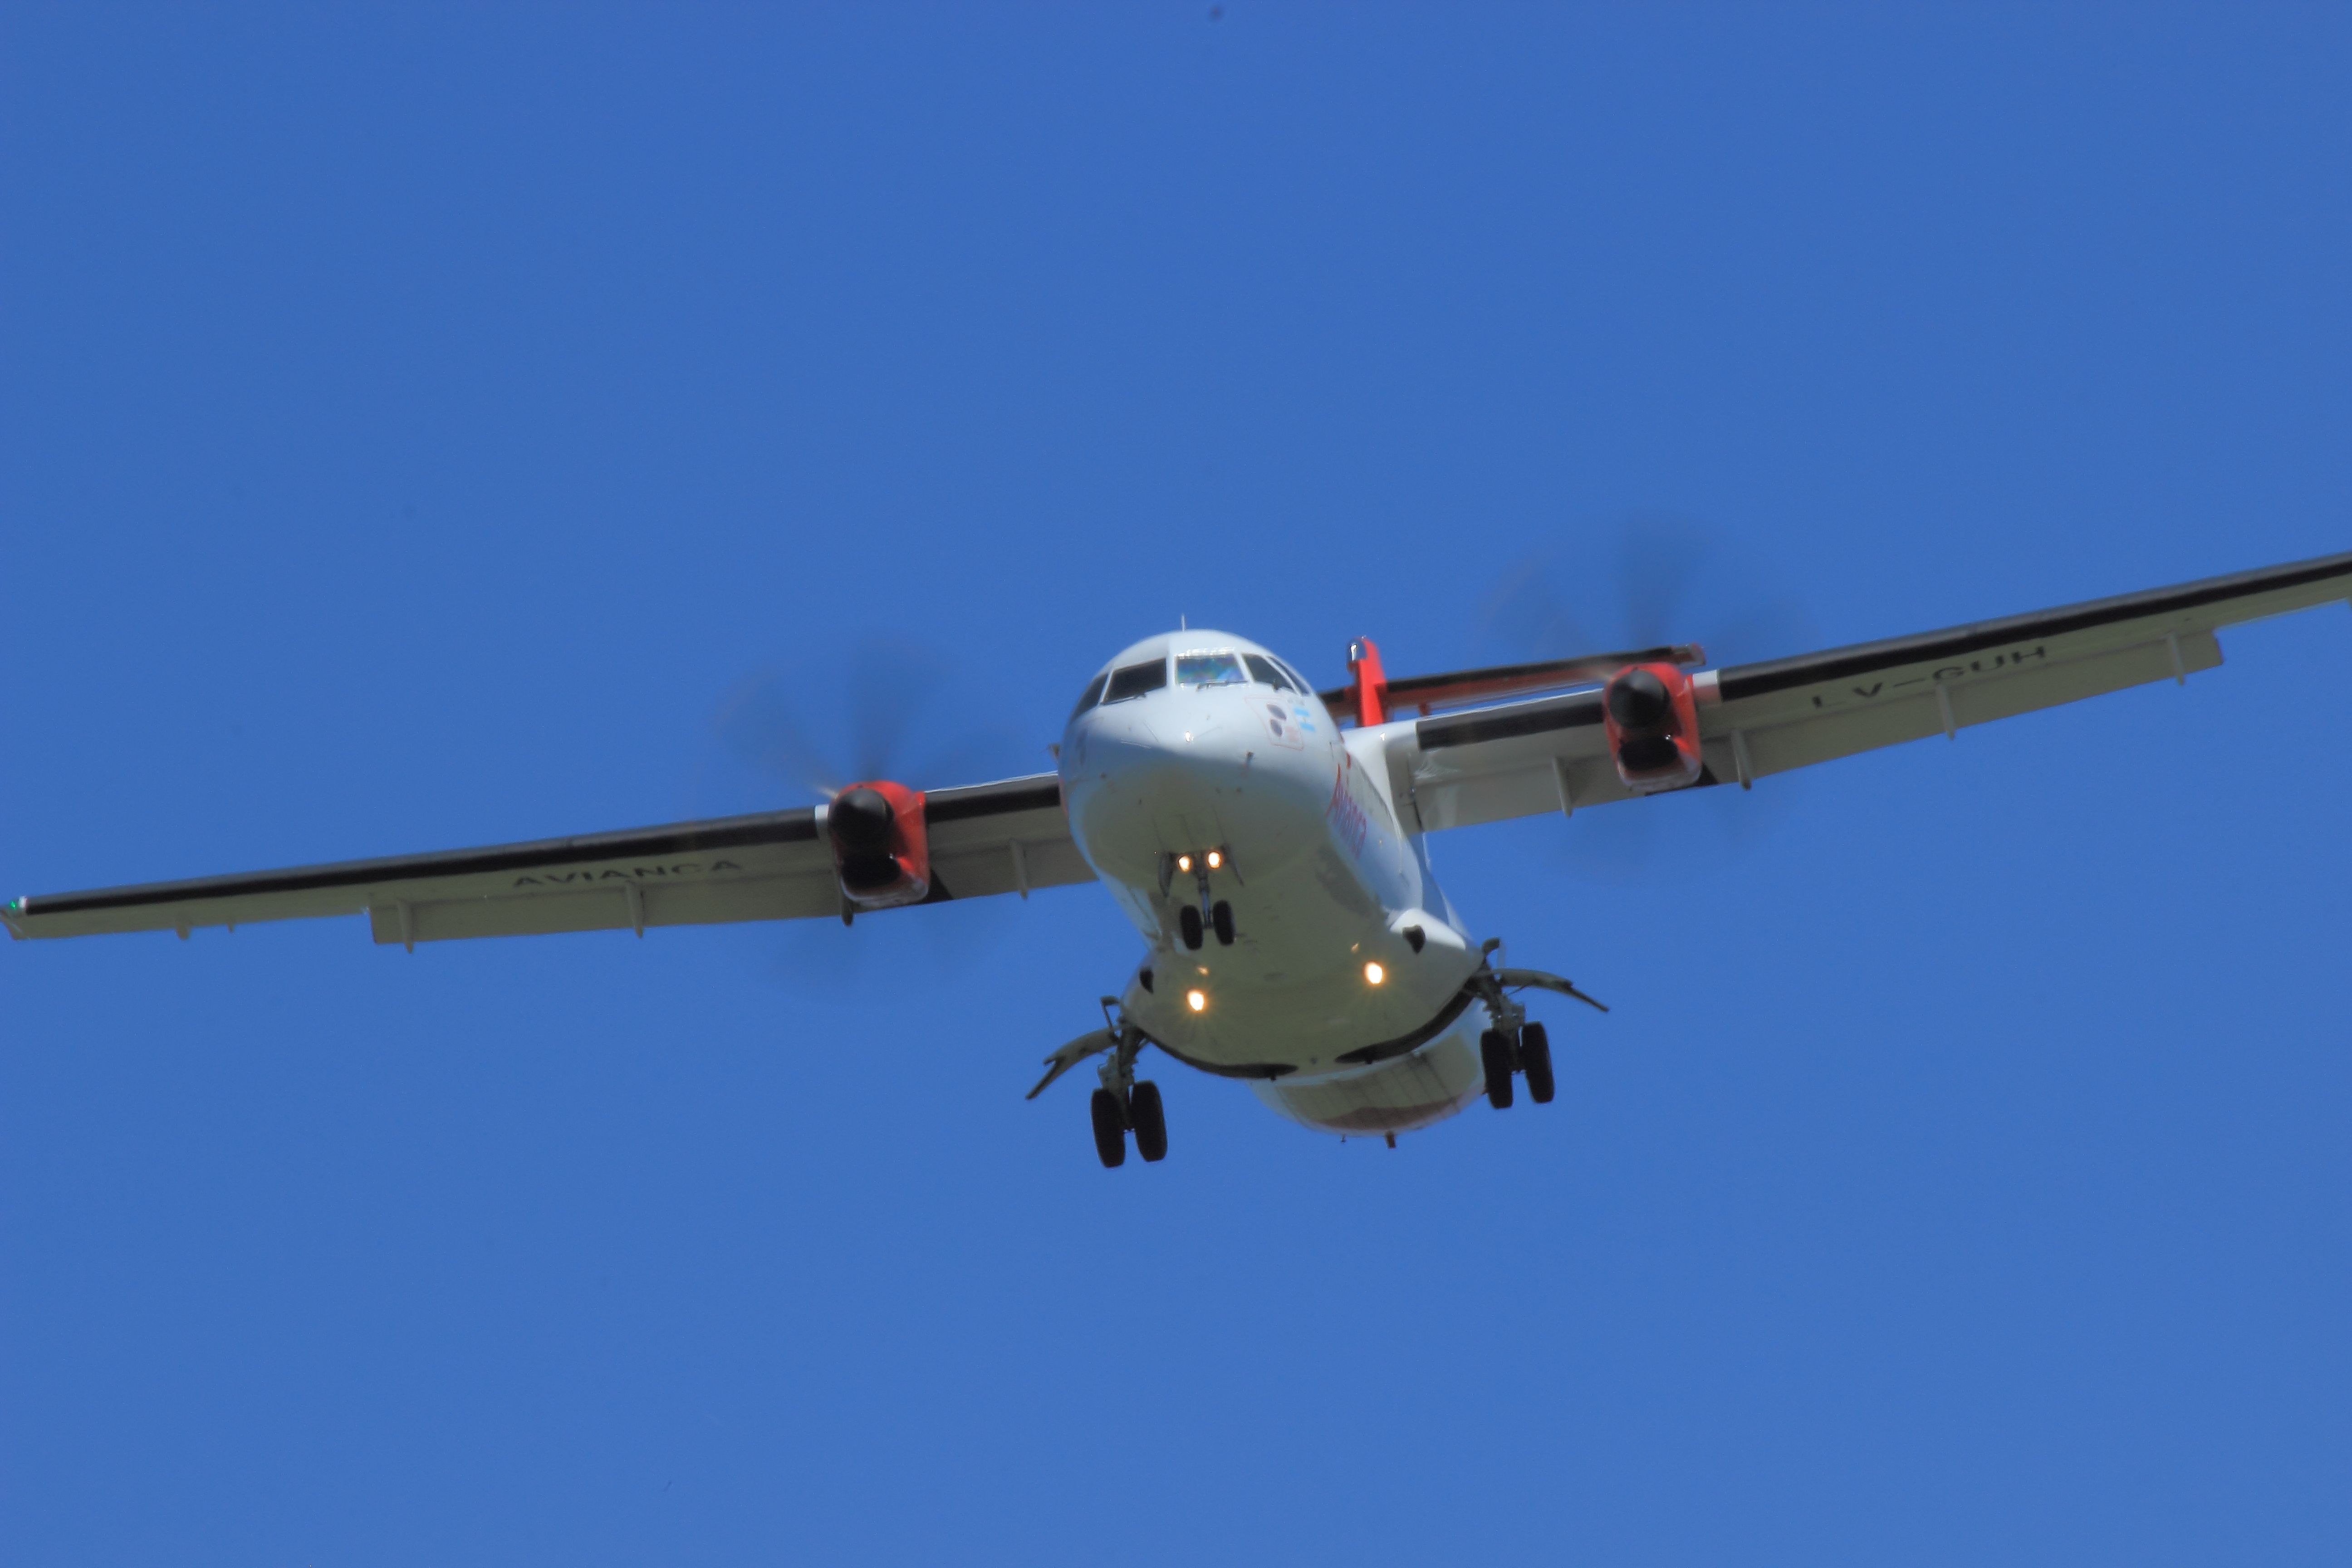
(1188, 925)
(1151, 1120)
(1110, 1129)
(1221, 916)
(1494, 1053)
(1535, 1060)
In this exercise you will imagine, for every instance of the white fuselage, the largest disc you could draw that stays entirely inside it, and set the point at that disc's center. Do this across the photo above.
(1321, 879)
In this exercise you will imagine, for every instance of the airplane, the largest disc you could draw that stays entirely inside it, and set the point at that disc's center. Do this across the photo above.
(1268, 840)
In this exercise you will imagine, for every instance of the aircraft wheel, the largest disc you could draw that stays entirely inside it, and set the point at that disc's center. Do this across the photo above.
(1188, 924)
(1150, 1122)
(1535, 1060)
(1110, 1129)
(1494, 1053)
(1221, 916)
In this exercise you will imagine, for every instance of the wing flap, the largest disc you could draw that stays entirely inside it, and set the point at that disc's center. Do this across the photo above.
(1933, 708)
(1519, 760)
(1003, 838)
(985, 839)
(684, 857)
(1537, 755)
(610, 907)
(984, 872)
(2000, 651)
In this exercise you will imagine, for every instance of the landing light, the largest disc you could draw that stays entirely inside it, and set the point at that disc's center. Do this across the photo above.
(1196, 1000)
(1184, 862)
(1215, 859)
(1374, 973)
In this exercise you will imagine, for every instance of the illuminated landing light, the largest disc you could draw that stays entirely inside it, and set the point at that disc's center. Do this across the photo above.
(1374, 974)
(1215, 859)
(1196, 1000)
(1184, 862)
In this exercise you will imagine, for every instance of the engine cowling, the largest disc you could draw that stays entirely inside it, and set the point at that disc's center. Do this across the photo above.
(881, 850)
(1652, 715)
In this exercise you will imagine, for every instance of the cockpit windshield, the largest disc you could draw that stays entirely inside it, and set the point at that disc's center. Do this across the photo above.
(1209, 670)
(1268, 672)
(1135, 679)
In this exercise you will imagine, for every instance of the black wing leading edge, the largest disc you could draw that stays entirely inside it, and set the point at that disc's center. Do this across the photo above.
(985, 839)
(1552, 754)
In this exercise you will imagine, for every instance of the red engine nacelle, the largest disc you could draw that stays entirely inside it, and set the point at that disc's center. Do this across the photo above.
(1652, 719)
(881, 850)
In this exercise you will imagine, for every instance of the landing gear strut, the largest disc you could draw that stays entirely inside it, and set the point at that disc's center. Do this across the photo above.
(1122, 1106)
(1515, 1045)
(1206, 914)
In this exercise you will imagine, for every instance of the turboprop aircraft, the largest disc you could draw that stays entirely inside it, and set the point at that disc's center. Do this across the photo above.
(1267, 839)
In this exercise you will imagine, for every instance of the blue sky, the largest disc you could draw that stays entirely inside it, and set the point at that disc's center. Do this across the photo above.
(416, 421)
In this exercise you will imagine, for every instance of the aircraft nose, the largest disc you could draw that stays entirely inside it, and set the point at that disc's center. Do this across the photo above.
(1201, 766)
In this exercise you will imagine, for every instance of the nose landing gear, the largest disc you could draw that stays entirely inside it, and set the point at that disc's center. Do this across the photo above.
(1194, 920)
(1221, 921)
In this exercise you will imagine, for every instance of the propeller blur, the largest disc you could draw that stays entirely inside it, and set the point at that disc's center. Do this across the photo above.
(1266, 840)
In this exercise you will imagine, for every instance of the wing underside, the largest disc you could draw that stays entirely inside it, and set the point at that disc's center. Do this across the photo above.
(1552, 754)
(985, 839)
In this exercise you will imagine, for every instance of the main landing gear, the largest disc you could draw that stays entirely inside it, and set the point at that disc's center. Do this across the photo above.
(1515, 1046)
(1527, 1049)
(1121, 1105)
(1143, 1117)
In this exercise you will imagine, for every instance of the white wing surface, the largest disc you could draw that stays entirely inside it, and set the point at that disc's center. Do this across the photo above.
(984, 838)
(1552, 754)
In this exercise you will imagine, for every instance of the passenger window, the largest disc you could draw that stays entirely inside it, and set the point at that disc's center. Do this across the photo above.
(1209, 670)
(1136, 680)
(1093, 696)
(1266, 670)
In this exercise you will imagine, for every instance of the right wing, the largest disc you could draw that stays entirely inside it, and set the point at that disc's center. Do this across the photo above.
(985, 839)
(1552, 754)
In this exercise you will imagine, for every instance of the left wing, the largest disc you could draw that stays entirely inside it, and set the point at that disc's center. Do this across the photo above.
(1552, 754)
(984, 838)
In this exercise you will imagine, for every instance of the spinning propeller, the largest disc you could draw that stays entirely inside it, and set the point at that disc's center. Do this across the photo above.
(1638, 584)
(887, 698)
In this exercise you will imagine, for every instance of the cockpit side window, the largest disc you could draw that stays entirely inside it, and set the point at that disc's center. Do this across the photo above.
(1268, 672)
(1136, 680)
(1209, 670)
(1293, 675)
(1093, 695)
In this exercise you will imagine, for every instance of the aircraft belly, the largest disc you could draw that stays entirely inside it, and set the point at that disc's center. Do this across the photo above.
(1411, 1092)
(1292, 991)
